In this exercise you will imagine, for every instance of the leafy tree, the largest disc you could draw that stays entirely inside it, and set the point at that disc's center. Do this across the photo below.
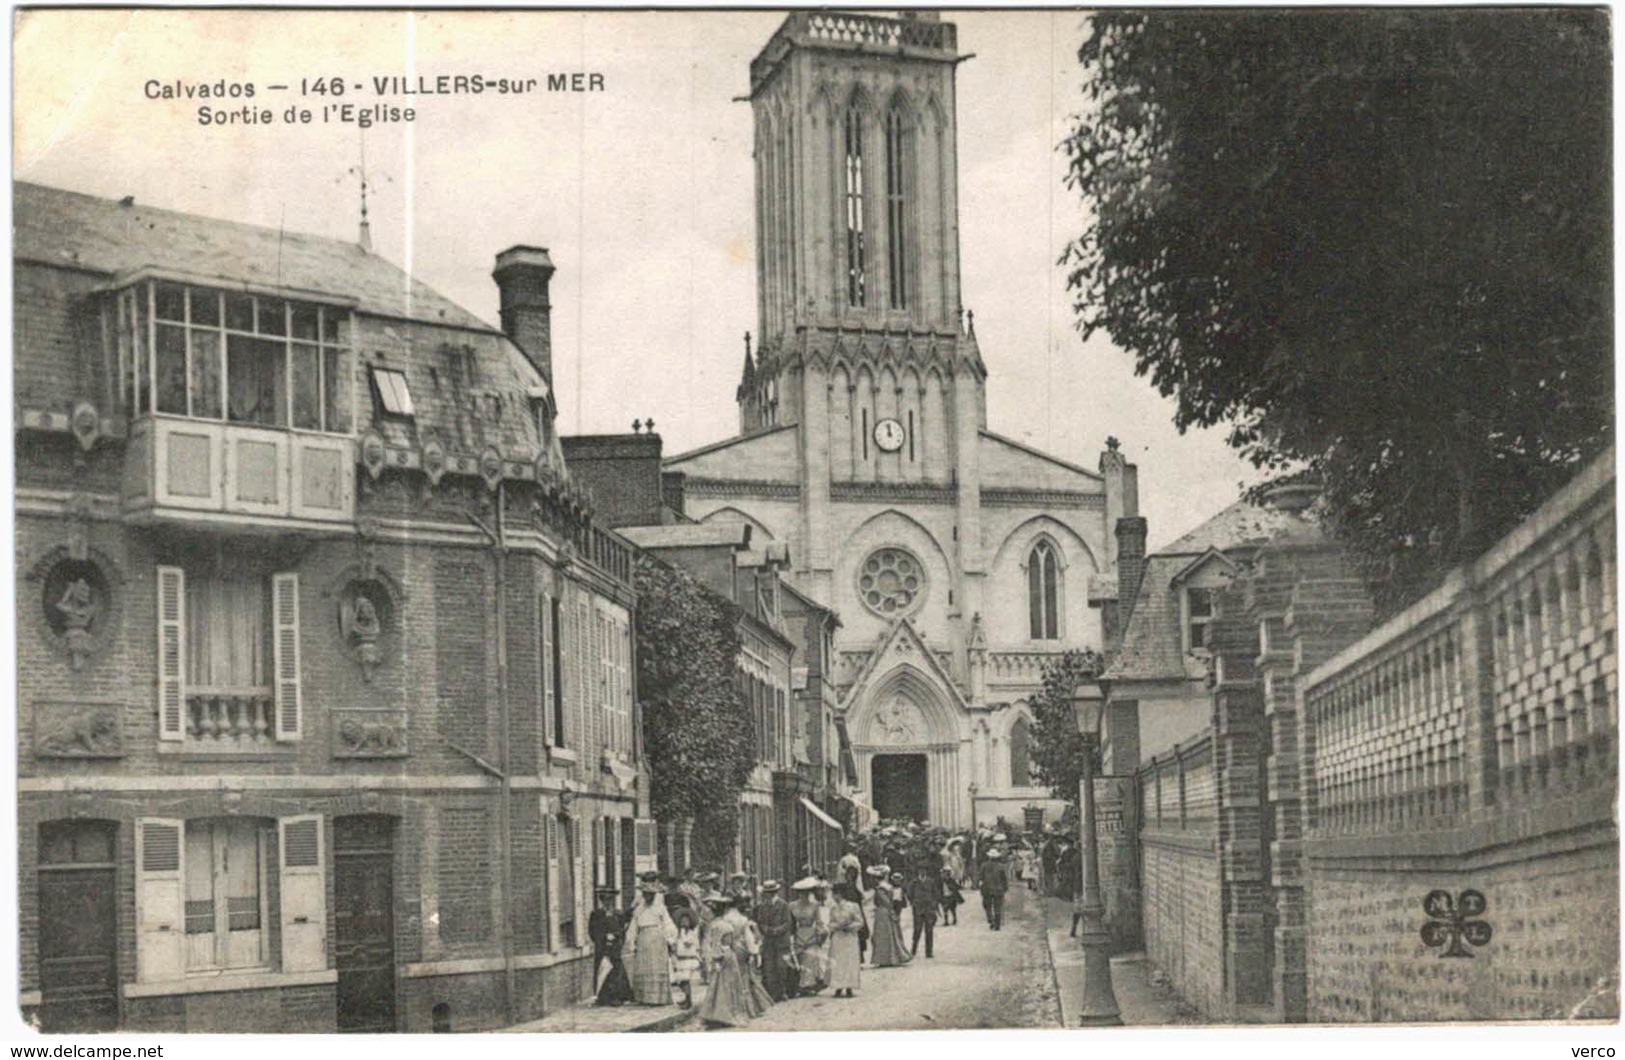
(1056, 751)
(697, 731)
(1376, 243)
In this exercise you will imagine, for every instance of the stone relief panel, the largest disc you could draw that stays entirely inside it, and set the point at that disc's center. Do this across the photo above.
(78, 730)
(369, 734)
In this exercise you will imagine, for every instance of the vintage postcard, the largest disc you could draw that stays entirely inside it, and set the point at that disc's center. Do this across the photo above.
(813, 520)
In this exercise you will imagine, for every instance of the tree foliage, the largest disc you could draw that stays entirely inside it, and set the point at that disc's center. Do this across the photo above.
(1056, 751)
(697, 732)
(1373, 242)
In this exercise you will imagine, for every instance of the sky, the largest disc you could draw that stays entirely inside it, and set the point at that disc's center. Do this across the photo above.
(642, 193)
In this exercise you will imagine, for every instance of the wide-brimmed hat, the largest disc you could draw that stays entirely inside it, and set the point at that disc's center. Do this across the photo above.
(770, 886)
(995, 854)
(715, 899)
(878, 871)
(998, 837)
(807, 883)
(740, 876)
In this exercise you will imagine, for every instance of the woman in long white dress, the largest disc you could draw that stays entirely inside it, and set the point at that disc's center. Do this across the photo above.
(649, 939)
(846, 920)
(732, 942)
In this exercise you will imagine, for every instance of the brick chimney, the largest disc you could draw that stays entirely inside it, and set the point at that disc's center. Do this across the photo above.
(1131, 531)
(522, 275)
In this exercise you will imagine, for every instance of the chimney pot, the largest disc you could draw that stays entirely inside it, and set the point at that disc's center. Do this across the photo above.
(522, 275)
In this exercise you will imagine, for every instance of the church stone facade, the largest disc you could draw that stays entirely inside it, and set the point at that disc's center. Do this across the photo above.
(959, 560)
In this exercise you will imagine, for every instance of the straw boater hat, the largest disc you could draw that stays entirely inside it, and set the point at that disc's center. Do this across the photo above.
(717, 901)
(897, 877)
(770, 886)
(995, 854)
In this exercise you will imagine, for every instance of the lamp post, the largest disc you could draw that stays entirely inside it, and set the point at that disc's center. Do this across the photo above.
(1099, 999)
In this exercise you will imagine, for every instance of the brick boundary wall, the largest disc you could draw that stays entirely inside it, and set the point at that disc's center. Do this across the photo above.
(1469, 742)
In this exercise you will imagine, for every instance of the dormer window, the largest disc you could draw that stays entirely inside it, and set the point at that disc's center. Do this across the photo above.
(1201, 606)
(393, 395)
(207, 354)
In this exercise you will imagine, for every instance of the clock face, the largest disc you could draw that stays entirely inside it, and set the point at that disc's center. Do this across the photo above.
(889, 436)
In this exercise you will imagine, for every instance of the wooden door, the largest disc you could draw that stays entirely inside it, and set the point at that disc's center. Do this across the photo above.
(78, 933)
(364, 922)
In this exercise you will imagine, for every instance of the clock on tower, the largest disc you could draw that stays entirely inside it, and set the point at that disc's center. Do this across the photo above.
(889, 436)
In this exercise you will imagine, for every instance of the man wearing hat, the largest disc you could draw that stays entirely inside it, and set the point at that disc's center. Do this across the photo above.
(774, 922)
(995, 881)
(649, 939)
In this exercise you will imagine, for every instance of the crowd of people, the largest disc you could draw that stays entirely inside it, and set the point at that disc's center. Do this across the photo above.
(752, 946)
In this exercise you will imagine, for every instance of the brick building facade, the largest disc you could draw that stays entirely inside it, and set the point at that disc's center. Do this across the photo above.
(325, 694)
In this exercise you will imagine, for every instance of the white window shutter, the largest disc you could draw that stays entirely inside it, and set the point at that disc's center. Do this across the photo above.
(285, 620)
(550, 841)
(606, 852)
(160, 899)
(304, 894)
(171, 653)
(544, 667)
(582, 888)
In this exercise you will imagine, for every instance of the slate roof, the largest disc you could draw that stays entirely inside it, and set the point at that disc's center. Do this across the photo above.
(1239, 525)
(74, 230)
(1153, 643)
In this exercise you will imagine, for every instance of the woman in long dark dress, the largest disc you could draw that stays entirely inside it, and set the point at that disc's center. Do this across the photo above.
(887, 933)
(608, 937)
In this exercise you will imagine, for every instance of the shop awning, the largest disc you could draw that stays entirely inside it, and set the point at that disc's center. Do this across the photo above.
(813, 809)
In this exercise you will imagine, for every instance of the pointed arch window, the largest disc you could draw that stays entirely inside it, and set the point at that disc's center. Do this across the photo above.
(853, 132)
(896, 210)
(1044, 592)
(1021, 775)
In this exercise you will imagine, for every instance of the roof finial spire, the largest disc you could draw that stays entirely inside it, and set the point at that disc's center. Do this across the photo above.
(360, 171)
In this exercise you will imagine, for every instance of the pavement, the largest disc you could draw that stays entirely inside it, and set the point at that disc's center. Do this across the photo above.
(588, 1018)
(1144, 999)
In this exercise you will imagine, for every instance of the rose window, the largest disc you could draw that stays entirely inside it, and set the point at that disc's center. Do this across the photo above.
(891, 581)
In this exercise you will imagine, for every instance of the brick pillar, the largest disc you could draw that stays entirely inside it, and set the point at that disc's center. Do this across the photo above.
(1307, 605)
(1237, 751)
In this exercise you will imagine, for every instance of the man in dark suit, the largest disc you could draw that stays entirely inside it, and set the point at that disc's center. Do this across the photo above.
(925, 896)
(995, 881)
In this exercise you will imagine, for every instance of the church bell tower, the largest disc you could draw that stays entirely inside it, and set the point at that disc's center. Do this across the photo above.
(856, 204)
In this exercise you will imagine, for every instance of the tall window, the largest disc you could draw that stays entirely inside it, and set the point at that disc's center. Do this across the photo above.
(1199, 608)
(896, 216)
(1020, 756)
(854, 209)
(1044, 592)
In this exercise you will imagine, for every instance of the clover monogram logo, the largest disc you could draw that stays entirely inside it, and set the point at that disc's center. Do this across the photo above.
(1453, 921)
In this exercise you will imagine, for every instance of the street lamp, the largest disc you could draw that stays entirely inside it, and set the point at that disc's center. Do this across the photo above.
(1099, 999)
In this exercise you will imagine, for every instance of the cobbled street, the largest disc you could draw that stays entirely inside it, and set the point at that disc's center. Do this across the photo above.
(978, 979)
